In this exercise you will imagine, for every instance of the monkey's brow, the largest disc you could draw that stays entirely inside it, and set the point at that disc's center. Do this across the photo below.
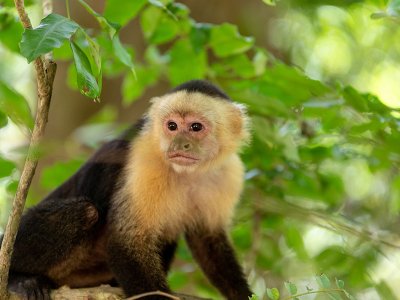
(183, 112)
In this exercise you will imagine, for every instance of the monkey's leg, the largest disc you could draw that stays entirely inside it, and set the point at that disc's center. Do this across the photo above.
(137, 264)
(216, 257)
(48, 233)
(167, 252)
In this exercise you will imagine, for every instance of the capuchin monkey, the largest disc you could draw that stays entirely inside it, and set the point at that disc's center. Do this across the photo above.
(117, 220)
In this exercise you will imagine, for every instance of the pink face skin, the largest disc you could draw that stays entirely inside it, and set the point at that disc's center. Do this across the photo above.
(185, 132)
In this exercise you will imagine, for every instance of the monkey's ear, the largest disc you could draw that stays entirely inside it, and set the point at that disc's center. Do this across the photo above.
(240, 123)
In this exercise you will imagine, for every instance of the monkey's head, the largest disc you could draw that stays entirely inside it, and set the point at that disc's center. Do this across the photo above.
(197, 125)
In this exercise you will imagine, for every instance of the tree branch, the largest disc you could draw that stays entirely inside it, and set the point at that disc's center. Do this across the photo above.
(45, 71)
(105, 292)
(329, 222)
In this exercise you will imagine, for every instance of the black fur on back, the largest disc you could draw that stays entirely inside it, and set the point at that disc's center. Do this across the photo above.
(203, 87)
(96, 180)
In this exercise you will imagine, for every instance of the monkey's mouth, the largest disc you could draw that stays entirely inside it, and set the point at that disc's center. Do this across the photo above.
(182, 158)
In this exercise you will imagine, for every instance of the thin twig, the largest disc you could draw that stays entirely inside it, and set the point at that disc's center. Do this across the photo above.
(155, 293)
(45, 72)
(315, 292)
(67, 5)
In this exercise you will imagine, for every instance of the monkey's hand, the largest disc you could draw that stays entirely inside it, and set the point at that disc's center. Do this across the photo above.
(30, 287)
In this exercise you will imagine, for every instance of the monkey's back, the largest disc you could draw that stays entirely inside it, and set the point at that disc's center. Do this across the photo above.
(97, 179)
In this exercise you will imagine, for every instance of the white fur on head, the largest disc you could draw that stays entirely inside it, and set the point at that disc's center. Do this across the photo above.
(230, 124)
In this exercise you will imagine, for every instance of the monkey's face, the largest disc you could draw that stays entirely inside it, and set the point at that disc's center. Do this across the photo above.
(194, 131)
(188, 140)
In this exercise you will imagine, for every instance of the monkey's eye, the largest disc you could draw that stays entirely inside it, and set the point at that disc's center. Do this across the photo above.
(172, 126)
(196, 126)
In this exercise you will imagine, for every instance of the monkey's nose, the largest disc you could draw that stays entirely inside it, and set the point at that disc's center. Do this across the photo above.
(186, 146)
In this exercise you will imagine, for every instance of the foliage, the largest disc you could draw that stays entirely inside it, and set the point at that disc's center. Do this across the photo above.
(50, 34)
(325, 288)
(349, 41)
(323, 181)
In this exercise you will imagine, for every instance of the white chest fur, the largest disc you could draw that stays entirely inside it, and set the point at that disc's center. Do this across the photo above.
(170, 202)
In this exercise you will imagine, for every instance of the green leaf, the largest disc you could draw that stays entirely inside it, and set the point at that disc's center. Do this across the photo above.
(294, 240)
(63, 53)
(270, 2)
(11, 187)
(186, 63)
(153, 56)
(6, 167)
(162, 6)
(260, 61)
(177, 280)
(379, 15)
(179, 10)
(385, 291)
(273, 293)
(254, 94)
(110, 27)
(57, 173)
(242, 236)
(123, 11)
(3, 119)
(339, 283)
(233, 66)
(375, 105)
(133, 88)
(15, 106)
(393, 8)
(158, 27)
(71, 76)
(51, 33)
(291, 287)
(157, 3)
(290, 86)
(226, 40)
(149, 21)
(200, 35)
(86, 80)
(94, 50)
(10, 30)
(355, 99)
(122, 55)
(323, 281)
(11, 3)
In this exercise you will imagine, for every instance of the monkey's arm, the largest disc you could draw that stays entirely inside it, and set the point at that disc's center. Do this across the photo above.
(139, 268)
(216, 257)
(50, 230)
(47, 234)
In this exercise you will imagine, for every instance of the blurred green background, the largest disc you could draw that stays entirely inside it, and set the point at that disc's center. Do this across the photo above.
(321, 80)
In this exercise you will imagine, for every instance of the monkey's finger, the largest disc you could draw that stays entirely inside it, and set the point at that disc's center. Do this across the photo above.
(31, 295)
(22, 291)
(46, 294)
